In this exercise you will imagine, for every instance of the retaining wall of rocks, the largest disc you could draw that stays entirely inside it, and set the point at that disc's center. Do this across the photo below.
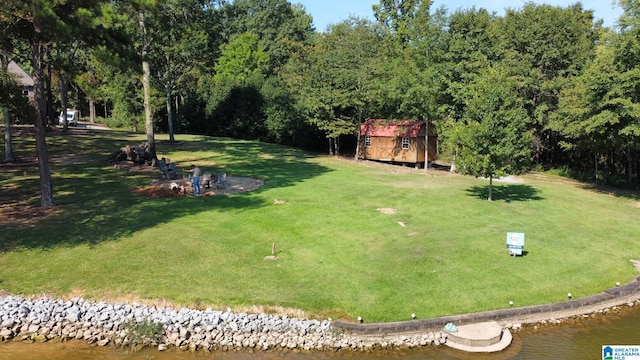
(101, 323)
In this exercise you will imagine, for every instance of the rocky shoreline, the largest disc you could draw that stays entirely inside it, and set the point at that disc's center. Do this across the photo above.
(137, 325)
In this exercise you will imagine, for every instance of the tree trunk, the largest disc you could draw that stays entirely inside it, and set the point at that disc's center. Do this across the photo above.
(360, 121)
(629, 164)
(595, 161)
(146, 85)
(490, 188)
(170, 112)
(358, 143)
(92, 111)
(426, 146)
(51, 115)
(64, 101)
(46, 188)
(146, 76)
(605, 169)
(168, 89)
(8, 149)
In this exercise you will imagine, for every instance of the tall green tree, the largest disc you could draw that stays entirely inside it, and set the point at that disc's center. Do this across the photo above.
(630, 18)
(282, 29)
(408, 20)
(284, 123)
(233, 95)
(491, 140)
(179, 41)
(544, 47)
(412, 53)
(39, 23)
(470, 44)
(280, 26)
(335, 79)
(598, 114)
(65, 62)
(123, 90)
(138, 18)
(142, 7)
(89, 81)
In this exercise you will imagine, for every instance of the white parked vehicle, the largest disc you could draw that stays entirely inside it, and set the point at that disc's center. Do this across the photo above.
(72, 117)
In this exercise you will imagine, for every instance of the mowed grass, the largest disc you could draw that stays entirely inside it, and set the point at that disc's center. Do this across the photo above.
(353, 239)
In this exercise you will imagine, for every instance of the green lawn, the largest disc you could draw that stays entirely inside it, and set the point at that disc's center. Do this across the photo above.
(442, 251)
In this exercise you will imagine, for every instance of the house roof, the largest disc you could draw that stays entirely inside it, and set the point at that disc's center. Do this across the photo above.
(24, 78)
(391, 128)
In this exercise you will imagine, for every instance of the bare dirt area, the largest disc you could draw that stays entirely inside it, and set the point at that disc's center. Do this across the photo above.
(24, 214)
(183, 187)
(162, 188)
(387, 211)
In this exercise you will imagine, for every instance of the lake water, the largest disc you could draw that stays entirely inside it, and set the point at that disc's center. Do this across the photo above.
(577, 339)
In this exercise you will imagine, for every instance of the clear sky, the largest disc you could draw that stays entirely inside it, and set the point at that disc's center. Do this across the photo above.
(327, 12)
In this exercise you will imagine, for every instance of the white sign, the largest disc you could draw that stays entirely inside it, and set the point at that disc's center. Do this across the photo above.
(515, 243)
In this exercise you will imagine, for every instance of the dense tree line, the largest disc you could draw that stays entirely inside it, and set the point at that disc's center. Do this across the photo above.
(541, 86)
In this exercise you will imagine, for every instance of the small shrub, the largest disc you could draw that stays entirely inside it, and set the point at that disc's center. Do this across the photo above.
(143, 333)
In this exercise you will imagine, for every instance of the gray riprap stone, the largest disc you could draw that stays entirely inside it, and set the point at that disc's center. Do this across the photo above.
(104, 323)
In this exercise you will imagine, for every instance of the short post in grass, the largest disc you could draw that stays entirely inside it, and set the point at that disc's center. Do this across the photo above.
(274, 253)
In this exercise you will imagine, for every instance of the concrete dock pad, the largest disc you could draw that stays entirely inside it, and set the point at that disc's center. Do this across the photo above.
(480, 337)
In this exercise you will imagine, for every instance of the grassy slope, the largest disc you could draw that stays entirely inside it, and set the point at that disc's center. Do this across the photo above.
(339, 256)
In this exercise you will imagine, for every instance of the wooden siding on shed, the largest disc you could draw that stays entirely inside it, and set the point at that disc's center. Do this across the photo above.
(386, 141)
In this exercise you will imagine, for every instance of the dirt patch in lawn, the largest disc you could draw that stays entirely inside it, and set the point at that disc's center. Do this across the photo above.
(387, 211)
(163, 188)
(25, 215)
(183, 187)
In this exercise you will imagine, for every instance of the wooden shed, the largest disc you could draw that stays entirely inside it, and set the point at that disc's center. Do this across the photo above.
(397, 141)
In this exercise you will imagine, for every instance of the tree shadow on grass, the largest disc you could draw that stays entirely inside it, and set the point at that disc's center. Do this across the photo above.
(506, 193)
(631, 194)
(96, 202)
(278, 166)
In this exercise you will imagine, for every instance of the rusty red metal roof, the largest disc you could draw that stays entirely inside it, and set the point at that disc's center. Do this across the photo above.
(391, 128)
